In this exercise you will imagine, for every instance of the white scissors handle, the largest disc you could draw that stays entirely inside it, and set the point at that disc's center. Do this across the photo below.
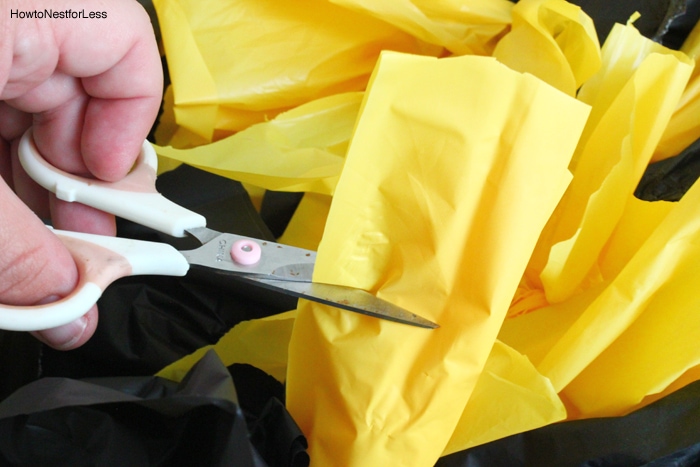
(101, 260)
(134, 197)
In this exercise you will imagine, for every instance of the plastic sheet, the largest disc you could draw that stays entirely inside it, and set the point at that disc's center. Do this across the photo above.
(609, 271)
(552, 40)
(471, 27)
(305, 51)
(301, 150)
(426, 215)
(669, 179)
(139, 422)
(633, 97)
(147, 323)
(683, 129)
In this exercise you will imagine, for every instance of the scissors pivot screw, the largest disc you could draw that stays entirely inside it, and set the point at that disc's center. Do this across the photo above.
(246, 252)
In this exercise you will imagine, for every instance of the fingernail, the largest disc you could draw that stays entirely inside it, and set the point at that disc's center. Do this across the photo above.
(63, 337)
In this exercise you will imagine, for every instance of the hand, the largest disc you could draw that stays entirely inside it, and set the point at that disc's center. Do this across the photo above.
(91, 89)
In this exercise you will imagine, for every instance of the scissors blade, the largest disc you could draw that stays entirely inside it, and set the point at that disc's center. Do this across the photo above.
(289, 270)
(348, 298)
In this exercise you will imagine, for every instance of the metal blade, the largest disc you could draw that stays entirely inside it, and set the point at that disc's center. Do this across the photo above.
(347, 298)
(299, 272)
(203, 234)
(289, 270)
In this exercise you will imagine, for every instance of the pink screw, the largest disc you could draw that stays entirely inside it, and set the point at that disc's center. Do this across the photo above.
(246, 252)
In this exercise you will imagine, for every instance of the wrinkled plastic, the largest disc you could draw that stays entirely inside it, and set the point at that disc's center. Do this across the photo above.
(554, 41)
(684, 129)
(305, 228)
(425, 172)
(471, 27)
(617, 270)
(669, 179)
(632, 97)
(300, 150)
(662, 21)
(229, 72)
(136, 421)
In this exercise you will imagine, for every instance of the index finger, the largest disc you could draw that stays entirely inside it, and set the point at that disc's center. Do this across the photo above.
(104, 88)
(125, 88)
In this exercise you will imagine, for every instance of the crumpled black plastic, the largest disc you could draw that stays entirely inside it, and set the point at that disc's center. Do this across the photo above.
(670, 179)
(148, 322)
(146, 421)
(681, 16)
(666, 21)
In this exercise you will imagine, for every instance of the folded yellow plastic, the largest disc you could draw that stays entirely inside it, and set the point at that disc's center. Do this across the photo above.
(454, 168)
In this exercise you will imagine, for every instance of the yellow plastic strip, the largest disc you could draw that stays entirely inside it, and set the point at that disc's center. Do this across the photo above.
(436, 210)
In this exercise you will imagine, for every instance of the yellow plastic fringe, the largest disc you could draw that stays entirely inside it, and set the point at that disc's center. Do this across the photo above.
(463, 27)
(240, 62)
(632, 98)
(554, 41)
(605, 260)
(302, 149)
(684, 127)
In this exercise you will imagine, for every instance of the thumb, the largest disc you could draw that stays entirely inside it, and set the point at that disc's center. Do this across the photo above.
(35, 268)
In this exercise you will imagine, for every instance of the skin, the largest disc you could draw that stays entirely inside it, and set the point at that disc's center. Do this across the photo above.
(91, 89)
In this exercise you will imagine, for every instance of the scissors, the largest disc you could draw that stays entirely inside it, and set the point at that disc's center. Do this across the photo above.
(101, 260)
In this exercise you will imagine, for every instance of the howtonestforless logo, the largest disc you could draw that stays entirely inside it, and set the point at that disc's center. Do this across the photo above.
(62, 14)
